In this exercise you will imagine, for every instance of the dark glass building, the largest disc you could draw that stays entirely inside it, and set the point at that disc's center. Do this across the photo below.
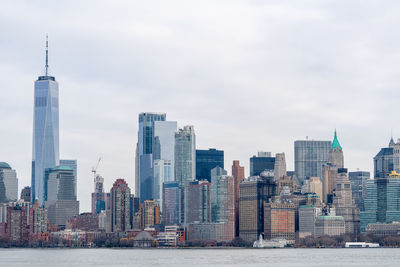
(206, 160)
(358, 180)
(263, 161)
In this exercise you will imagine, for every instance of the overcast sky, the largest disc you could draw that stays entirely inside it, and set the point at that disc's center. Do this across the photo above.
(249, 75)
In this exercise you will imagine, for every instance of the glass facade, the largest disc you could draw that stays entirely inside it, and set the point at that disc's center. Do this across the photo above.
(382, 203)
(171, 203)
(207, 160)
(45, 151)
(309, 158)
(8, 183)
(258, 164)
(358, 181)
(162, 173)
(145, 154)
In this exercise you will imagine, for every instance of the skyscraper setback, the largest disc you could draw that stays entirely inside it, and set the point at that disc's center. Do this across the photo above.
(45, 149)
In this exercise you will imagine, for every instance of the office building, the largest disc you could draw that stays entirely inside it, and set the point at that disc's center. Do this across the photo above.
(315, 186)
(329, 226)
(73, 164)
(263, 161)
(330, 172)
(358, 180)
(171, 203)
(279, 221)
(17, 230)
(238, 176)
(162, 174)
(144, 154)
(26, 194)
(38, 219)
(8, 183)
(197, 202)
(307, 216)
(335, 156)
(185, 155)
(206, 160)
(381, 204)
(60, 195)
(309, 157)
(387, 160)
(150, 212)
(223, 201)
(45, 148)
(344, 204)
(280, 166)
(254, 192)
(120, 206)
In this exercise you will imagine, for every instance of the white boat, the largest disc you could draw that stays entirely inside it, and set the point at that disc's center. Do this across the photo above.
(273, 243)
(361, 245)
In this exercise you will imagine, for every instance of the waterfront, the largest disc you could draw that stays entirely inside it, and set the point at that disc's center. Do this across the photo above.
(199, 257)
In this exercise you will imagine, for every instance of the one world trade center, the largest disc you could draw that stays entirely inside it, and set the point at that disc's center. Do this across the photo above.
(45, 150)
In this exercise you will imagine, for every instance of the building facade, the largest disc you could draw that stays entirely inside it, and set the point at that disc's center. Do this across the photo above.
(206, 160)
(263, 161)
(309, 157)
(197, 202)
(238, 176)
(120, 206)
(171, 203)
(8, 183)
(358, 180)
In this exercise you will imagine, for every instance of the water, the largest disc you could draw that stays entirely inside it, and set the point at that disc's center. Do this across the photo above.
(200, 257)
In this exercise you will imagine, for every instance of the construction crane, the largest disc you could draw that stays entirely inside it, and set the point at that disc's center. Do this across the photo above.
(94, 170)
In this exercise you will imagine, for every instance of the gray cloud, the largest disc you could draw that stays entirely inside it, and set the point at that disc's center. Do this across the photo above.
(250, 75)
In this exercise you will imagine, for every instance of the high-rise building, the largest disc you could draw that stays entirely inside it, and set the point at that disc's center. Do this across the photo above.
(99, 197)
(344, 204)
(329, 225)
(163, 172)
(330, 172)
(185, 161)
(307, 216)
(254, 192)
(150, 212)
(309, 157)
(26, 194)
(223, 201)
(280, 166)
(263, 161)
(197, 202)
(120, 206)
(185, 155)
(315, 186)
(17, 229)
(73, 164)
(387, 160)
(238, 176)
(144, 154)
(358, 180)
(171, 203)
(8, 183)
(45, 151)
(279, 221)
(60, 195)
(335, 155)
(206, 160)
(382, 201)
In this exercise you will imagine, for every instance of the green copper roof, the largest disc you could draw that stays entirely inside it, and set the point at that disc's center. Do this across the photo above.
(4, 165)
(61, 168)
(335, 142)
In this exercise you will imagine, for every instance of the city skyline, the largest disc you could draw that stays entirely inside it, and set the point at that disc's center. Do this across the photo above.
(98, 112)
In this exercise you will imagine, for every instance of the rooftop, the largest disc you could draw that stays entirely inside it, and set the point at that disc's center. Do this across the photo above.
(4, 165)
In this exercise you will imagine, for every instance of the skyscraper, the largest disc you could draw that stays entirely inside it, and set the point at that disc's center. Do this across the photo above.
(98, 196)
(344, 204)
(206, 160)
(197, 202)
(280, 166)
(144, 153)
(45, 149)
(223, 201)
(387, 160)
(238, 175)
(309, 156)
(358, 181)
(185, 161)
(8, 183)
(60, 195)
(120, 206)
(263, 161)
(171, 203)
(162, 174)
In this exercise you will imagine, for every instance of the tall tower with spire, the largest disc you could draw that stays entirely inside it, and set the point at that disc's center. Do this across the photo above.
(45, 147)
(336, 153)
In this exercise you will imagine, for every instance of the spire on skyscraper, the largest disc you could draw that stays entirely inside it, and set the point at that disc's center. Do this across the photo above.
(335, 142)
(47, 54)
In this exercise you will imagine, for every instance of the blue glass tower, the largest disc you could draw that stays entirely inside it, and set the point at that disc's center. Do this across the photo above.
(45, 149)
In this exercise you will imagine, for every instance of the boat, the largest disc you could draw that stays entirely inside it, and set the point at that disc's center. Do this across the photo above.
(273, 243)
(361, 245)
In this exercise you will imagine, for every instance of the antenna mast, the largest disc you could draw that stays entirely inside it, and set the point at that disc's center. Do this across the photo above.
(47, 54)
